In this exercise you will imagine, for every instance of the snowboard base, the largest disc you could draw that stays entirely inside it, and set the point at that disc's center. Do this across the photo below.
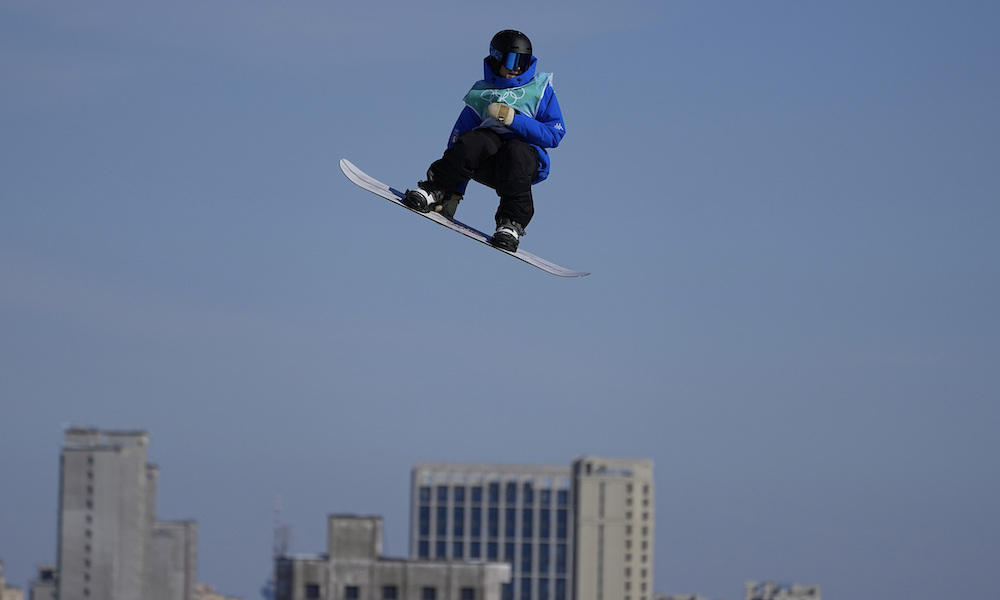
(365, 181)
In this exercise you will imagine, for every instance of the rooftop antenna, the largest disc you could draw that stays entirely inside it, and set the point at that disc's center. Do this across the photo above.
(282, 539)
(282, 532)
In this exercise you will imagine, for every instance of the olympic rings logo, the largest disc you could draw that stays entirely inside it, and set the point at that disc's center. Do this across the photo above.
(508, 97)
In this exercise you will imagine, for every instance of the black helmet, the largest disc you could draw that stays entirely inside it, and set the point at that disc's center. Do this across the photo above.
(511, 49)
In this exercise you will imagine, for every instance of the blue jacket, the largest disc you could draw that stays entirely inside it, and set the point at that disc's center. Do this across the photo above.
(543, 131)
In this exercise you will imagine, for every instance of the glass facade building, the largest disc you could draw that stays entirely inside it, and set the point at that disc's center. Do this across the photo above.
(519, 514)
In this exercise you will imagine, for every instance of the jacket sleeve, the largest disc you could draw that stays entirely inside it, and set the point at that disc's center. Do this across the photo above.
(467, 120)
(546, 130)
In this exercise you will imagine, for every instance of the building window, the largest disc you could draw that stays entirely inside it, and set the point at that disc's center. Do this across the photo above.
(351, 593)
(457, 550)
(312, 591)
(424, 549)
(442, 494)
(428, 593)
(458, 521)
(526, 558)
(442, 520)
(459, 494)
(511, 494)
(390, 592)
(468, 593)
(477, 493)
(441, 549)
(477, 522)
(493, 522)
(425, 494)
(425, 520)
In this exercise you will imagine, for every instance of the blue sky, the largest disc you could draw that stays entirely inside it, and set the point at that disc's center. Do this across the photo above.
(789, 209)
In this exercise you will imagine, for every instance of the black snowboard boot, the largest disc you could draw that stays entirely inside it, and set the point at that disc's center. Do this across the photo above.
(425, 197)
(508, 235)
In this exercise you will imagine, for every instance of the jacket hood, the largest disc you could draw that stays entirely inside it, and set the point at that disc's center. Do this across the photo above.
(500, 83)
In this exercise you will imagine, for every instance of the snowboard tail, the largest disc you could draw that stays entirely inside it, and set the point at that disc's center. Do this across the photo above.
(365, 181)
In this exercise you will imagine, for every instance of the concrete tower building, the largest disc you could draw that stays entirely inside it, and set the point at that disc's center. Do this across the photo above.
(174, 555)
(354, 568)
(106, 513)
(110, 545)
(613, 529)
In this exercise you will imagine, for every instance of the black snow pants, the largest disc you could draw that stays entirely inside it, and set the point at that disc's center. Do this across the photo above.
(507, 166)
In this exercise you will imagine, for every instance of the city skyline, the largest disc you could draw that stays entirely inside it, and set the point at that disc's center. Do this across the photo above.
(108, 525)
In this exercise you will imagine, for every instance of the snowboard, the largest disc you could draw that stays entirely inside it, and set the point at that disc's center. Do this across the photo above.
(365, 181)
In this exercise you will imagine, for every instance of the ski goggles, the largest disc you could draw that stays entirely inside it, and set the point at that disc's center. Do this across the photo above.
(511, 60)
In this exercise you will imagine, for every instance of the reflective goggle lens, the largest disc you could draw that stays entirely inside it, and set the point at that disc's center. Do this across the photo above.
(511, 60)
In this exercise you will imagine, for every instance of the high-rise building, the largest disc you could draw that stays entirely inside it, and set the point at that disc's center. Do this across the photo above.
(583, 532)
(110, 545)
(613, 528)
(518, 514)
(106, 507)
(173, 553)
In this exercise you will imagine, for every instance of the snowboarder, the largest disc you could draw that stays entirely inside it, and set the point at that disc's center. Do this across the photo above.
(510, 117)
